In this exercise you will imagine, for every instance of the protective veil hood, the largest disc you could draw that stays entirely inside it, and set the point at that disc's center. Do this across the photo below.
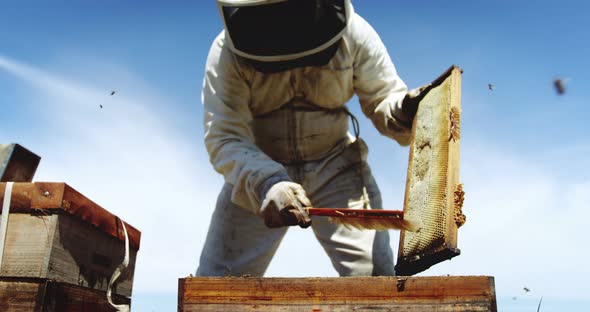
(283, 30)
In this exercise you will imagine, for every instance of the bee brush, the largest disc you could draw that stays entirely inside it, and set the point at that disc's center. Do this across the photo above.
(369, 219)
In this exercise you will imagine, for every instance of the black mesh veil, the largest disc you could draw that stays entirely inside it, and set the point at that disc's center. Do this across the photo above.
(285, 27)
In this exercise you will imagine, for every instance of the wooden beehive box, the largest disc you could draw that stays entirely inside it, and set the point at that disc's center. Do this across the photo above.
(417, 294)
(56, 233)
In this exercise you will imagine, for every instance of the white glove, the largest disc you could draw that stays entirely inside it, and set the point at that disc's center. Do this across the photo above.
(283, 205)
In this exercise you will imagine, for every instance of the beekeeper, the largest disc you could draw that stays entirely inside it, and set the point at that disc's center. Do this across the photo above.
(276, 127)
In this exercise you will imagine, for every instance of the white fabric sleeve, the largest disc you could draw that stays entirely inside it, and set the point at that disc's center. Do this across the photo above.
(228, 136)
(379, 88)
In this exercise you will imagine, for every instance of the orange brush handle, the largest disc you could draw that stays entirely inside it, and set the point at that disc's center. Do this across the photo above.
(356, 213)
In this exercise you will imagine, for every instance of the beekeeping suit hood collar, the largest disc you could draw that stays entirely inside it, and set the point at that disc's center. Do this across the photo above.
(283, 30)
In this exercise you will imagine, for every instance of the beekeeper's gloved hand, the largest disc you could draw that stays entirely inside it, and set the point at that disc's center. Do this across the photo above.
(283, 204)
(412, 99)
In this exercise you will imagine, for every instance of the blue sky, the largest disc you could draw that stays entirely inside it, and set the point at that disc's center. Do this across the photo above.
(524, 148)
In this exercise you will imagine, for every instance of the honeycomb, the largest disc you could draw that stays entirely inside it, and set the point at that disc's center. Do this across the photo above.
(427, 200)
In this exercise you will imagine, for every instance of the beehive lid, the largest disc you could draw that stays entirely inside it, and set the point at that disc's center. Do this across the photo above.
(58, 197)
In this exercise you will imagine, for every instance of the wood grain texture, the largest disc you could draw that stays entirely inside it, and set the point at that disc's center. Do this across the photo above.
(65, 249)
(29, 240)
(82, 256)
(72, 298)
(41, 295)
(59, 197)
(55, 232)
(456, 293)
(21, 295)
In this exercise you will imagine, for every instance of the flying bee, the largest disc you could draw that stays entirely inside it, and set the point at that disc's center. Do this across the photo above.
(559, 85)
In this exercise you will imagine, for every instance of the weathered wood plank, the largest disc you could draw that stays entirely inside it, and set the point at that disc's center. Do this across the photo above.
(41, 295)
(72, 298)
(17, 164)
(28, 244)
(340, 308)
(21, 295)
(65, 249)
(455, 293)
(83, 256)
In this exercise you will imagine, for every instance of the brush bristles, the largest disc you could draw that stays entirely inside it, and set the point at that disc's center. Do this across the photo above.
(380, 224)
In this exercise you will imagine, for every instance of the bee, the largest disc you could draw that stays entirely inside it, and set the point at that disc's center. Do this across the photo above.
(559, 85)
(455, 129)
(459, 197)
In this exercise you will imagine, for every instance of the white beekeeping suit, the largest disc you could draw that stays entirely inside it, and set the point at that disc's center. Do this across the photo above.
(276, 127)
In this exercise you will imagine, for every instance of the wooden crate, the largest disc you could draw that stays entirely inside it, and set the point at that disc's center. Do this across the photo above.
(413, 294)
(56, 233)
(40, 295)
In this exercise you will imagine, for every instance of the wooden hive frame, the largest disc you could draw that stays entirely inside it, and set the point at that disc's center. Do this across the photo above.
(434, 195)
